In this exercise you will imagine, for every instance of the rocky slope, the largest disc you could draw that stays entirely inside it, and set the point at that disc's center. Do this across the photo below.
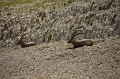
(47, 23)
(50, 26)
(55, 61)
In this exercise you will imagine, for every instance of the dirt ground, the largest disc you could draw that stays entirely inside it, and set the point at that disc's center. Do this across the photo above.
(56, 61)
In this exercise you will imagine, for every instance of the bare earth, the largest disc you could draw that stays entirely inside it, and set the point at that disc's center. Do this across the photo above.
(55, 61)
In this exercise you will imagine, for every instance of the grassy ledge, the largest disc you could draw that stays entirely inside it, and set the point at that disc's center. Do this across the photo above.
(14, 2)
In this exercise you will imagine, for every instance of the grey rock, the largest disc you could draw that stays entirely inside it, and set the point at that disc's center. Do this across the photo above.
(97, 19)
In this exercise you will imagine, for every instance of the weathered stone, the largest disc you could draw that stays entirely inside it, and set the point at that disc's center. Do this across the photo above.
(97, 19)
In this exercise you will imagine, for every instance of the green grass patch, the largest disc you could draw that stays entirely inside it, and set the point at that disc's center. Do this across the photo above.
(14, 2)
